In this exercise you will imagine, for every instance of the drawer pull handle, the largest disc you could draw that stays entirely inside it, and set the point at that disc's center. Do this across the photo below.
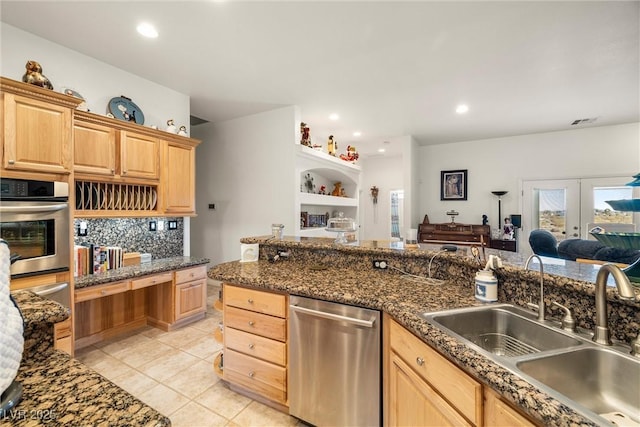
(12, 162)
(419, 361)
(251, 374)
(251, 323)
(251, 346)
(250, 301)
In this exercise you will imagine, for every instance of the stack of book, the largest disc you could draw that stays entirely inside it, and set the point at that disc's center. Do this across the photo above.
(93, 259)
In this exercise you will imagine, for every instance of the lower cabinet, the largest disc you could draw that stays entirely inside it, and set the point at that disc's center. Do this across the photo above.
(63, 337)
(424, 388)
(499, 413)
(255, 343)
(190, 293)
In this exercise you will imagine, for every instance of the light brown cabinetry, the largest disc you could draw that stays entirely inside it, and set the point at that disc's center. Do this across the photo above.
(94, 149)
(178, 178)
(255, 342)
(190, 293)
(63, 337)
(140, 155)
(499, 413)
(423, 388)
(37, 132)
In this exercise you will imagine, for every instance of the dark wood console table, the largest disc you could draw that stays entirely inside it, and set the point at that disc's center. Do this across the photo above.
(454, 232)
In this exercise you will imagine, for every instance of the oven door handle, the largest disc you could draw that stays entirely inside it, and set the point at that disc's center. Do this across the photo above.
(51, 290)
(29, 209)
(331, 316)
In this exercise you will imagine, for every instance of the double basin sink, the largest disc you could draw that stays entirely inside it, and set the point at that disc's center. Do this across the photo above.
(600, 382)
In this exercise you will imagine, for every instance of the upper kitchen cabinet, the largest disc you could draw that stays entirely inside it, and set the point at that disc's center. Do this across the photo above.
(37, 133)
(178, 176)
(94, 150)
(140, 155)
(108, 147)
(129, 170)
(317, 174)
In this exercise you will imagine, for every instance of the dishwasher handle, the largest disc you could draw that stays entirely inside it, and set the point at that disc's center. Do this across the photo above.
(331, 316)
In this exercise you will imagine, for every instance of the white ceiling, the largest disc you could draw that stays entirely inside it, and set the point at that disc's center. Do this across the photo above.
(387, 68)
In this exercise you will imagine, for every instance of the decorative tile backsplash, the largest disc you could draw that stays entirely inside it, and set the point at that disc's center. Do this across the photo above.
(133, 235)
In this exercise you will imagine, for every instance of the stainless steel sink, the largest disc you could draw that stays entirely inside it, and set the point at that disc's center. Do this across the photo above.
(601, 383)
(503, 330)
(604, 381)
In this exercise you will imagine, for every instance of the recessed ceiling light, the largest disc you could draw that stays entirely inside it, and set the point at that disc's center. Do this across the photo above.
(381, 150)
(147, 30)
(357, 133)
(333, 116)
(462, 108)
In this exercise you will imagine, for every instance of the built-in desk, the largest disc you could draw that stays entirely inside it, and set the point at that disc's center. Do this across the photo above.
(166, 293)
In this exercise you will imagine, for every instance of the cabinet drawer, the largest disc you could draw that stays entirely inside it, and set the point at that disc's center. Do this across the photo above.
(456, 386)
(62, 329)
(267, 379)
(255, 323)
(93, 292)
(256, 346)
(189, 274)
(251, 299)
(152, 280)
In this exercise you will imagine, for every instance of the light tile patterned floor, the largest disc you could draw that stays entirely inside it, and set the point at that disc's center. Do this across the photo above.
(173, 373)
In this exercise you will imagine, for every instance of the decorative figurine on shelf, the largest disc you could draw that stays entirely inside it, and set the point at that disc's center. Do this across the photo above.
(171, 128)
(485, 220)
(374, 194)
(507, 229)
(34, 76)
(332, 146)
(182, 131)
(342, 192)
(323, 189)
(337, 186)
(306, 138)
(351, 155)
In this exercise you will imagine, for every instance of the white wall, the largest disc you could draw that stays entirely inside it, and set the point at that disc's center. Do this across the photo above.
(502, 163)
(386, 173)
(246, 167)
(96, 81)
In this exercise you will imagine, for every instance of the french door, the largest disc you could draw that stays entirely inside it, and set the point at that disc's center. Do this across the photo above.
(570, 208)
(552, 205)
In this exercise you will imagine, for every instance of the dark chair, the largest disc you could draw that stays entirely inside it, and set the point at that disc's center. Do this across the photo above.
(543, 243)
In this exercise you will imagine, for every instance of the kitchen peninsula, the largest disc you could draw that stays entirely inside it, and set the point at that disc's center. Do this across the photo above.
(317, 268)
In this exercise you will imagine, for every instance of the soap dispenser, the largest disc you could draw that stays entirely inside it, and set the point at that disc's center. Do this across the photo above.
(487, 282)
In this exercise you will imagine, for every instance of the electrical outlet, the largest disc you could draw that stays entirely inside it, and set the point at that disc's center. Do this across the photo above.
(173, 225)
(212, 206)
(380, 264)
(82, 229)
(152, 226)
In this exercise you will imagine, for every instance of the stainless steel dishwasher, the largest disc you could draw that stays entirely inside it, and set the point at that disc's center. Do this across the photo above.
(334, 363)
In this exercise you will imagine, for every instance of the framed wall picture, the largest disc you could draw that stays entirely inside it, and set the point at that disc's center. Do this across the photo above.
(453, 185)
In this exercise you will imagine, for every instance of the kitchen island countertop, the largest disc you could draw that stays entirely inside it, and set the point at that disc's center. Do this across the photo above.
(60, 390)
(403, 297)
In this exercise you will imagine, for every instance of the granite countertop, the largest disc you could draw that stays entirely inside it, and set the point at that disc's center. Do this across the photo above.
(403, 298)
(556, 266)
(60, 390)
(143, 269)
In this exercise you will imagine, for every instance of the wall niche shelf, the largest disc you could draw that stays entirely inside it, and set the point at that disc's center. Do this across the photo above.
(315, 169)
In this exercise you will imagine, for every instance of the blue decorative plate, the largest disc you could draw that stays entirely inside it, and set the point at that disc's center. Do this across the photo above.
(125, 109)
